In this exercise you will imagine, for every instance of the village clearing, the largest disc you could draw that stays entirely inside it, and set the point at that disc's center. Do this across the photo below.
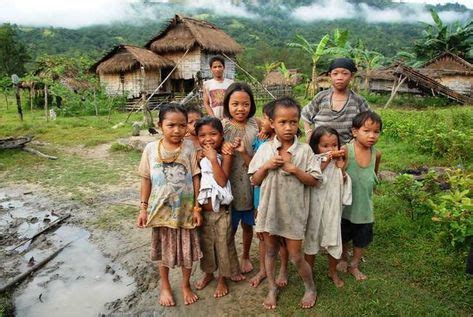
(95, 180)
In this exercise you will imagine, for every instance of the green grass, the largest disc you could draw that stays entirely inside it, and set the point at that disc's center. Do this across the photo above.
(114, 217)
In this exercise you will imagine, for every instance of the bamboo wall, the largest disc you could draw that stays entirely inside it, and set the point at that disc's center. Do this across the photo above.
(188, 66)
(460, 84)
(133, 84)
(205, 68)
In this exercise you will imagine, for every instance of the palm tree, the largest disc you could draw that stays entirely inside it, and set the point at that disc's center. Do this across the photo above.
(316, 51)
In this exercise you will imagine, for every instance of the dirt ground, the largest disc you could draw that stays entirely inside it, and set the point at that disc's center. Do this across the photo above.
(125, 249)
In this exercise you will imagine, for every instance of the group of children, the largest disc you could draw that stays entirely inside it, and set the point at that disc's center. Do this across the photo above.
(205, 176)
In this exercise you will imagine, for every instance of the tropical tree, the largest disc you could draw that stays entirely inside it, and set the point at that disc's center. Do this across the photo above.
(316, 51)
(5, 87)
(440, 37)
(268, 67)
(13, 55)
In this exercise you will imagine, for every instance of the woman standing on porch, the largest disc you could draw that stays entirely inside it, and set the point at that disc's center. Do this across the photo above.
(335, 107)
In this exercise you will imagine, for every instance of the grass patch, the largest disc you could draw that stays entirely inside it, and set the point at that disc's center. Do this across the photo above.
(7, 307)
(114, 217)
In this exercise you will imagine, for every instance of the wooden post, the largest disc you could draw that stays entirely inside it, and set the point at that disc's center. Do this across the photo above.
(18, 102)
(400, 81)
(95, 104)
(46, 102)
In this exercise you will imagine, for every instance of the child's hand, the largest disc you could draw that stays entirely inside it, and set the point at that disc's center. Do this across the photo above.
(209, 152)
(227, 148)
(197, 218)
(199, 155)
(276, 162)
(340, 163)
(263, 135)
(239, 145)
(142, 219)
(288, 167)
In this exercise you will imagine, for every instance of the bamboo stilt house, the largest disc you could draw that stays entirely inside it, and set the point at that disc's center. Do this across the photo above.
(202, 40)
(132, 71)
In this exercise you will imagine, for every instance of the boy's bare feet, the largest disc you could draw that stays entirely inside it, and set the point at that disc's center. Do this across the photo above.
(246, 266)
(309, 299)
(201, 284)
(257, 279)
(281, 281)
(357, 274)
(238, 277)
(165, 297)
(336, 279)
(222, 288)
(342, 266)
(189, 296)
(270, 300)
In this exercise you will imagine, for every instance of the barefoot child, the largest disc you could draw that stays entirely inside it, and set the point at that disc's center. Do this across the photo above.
(241, 128)
(326, 203)
(266, 134)
(169, 183)
(214, 89)
(362, 166)
(215, 195)
(285, 169)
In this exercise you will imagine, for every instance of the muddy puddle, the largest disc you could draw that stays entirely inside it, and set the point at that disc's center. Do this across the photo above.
(79, 281)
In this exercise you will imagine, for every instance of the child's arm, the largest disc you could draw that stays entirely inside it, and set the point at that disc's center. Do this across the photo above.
(377, 162)
(227, 164)
(303, 177)
(261, 173)
(207, 102)
(144, 195)
(239, 145)
(197, 217)
(219, 175)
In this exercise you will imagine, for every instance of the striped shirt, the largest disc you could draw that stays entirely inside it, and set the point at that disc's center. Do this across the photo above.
(319, 112)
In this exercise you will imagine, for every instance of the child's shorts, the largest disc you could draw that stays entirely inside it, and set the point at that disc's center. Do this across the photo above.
(218, 245)
(360, 233)
(246, 216)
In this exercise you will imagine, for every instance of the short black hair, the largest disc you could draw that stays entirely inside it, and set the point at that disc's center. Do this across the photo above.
(217, 58)
(318, 133)
(211, 121)
(194, 109)
(284, 102)
(170, 107)
(360, 119)
(267, 108)
(234, 88)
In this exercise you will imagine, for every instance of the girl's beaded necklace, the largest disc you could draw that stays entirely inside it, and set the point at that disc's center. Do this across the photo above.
(172, 157)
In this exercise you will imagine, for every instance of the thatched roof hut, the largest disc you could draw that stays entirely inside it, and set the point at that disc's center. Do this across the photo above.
(202, 40)
(275, 78)
(131, 70)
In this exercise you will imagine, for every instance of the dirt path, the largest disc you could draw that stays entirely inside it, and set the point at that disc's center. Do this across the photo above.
(128, 247)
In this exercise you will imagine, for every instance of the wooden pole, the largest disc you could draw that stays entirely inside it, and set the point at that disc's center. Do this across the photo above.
(46, 102)
(95, 104)
(401, 81)
(18, 102)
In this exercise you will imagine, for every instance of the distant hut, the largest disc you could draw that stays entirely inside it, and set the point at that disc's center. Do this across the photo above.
(131, 71)
(275, 78)
(382, 80)
(452, 71)
(203, 40)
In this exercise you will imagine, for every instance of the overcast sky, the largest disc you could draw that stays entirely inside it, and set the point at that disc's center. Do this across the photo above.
(74, 14)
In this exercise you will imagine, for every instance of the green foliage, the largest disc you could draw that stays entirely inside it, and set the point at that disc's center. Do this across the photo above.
(13, 53)
(453, 211)
(411, 191)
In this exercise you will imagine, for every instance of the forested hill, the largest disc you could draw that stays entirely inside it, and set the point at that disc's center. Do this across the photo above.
(263, 29)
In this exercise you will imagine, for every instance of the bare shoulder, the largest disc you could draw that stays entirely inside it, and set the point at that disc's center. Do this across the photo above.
(378, 154)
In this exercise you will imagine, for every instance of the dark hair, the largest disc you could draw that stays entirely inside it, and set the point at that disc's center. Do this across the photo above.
(267, 108)
(217, 58)
(211, 121)
(318, 133)
(194, 109)
(360, 119)
(284, 102)
(234, 88)
(170, 107)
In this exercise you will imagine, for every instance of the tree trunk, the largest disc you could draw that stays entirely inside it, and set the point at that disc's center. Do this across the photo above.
(46, 102)
(6, 98)
(314, 85)
(18, 102)
(95, 104)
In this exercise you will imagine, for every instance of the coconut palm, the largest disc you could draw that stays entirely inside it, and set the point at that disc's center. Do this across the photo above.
(316, 51)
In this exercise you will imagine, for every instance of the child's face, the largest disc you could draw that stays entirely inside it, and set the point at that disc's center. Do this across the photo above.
(340, 78)
(327, 143)
(239, 106)
(174, 127)
(285, 123)
(266, 124)
(192, 118)
(208, 135)
(368, 134)
(217, 69)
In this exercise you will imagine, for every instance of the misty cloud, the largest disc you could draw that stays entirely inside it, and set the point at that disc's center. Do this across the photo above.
(341, 9)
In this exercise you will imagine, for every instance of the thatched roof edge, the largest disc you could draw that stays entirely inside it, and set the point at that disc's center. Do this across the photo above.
(454, 56)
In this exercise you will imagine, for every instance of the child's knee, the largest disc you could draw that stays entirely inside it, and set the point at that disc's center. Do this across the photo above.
(296, 258)
(271, 252)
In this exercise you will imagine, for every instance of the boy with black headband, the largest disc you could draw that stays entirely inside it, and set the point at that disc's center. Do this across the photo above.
(335, 107)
